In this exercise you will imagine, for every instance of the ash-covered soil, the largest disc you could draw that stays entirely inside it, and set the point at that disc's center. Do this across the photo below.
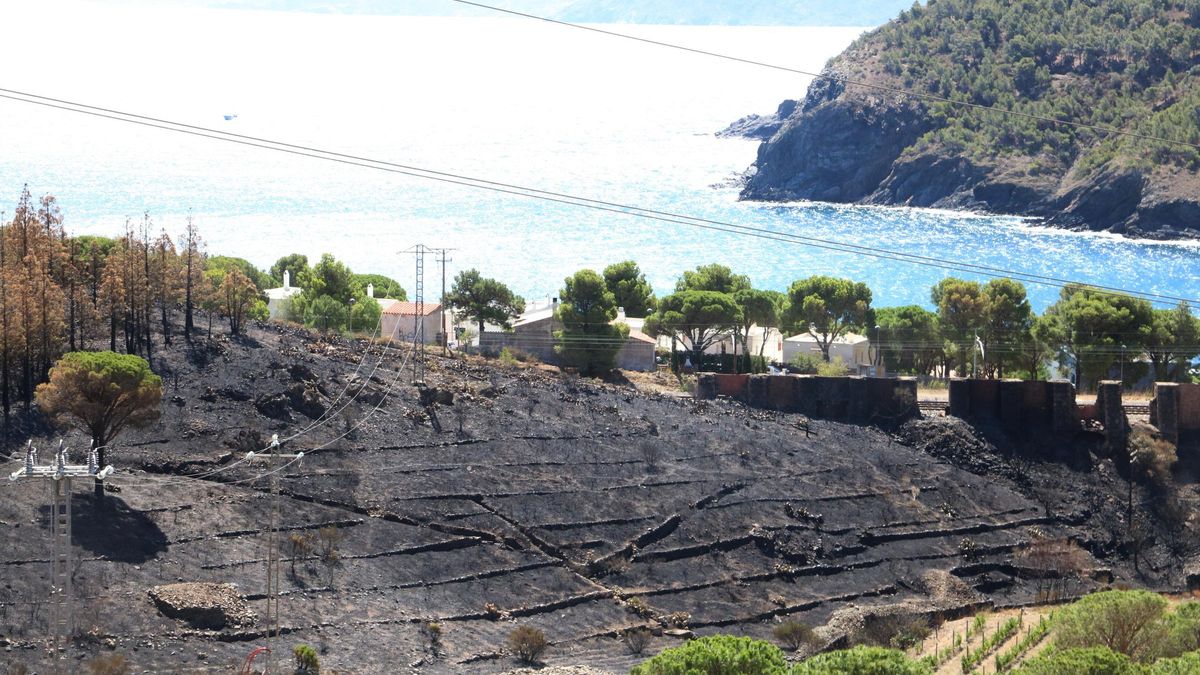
(533, 498)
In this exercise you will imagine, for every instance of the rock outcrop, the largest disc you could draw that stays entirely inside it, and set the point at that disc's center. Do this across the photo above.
(761, 127)
(868, 145)
(203, 605)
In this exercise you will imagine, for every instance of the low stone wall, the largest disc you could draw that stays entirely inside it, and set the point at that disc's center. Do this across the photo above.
(861, 400)
(1020, 407)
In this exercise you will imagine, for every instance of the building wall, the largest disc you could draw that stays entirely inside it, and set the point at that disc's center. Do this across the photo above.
(399, 327)
(853, 355)
(636, 355)
(492, 343)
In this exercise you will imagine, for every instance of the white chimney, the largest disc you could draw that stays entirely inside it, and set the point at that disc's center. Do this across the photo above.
(620, 314)
(287, 280)
(370, 290)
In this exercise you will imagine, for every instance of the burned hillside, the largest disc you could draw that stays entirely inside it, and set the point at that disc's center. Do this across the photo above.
(504, 496)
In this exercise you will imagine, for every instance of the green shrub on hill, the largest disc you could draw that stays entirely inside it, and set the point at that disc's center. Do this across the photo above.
(717, 654)
(1089, 661)
(1127, 622)
(862, 661)
(1188, 664)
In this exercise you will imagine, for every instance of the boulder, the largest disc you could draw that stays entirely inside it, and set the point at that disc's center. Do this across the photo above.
(305, 399)
(274, 406)
(203, 605)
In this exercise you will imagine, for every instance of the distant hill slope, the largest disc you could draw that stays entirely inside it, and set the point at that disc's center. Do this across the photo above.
(1133, 65)
(722, 12)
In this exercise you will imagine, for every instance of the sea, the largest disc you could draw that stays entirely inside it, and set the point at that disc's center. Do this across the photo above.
(510, 100)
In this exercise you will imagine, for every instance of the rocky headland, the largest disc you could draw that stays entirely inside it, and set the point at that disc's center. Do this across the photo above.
(849, 143)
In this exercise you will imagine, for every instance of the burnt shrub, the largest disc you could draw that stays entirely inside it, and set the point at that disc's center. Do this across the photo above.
(527, 644)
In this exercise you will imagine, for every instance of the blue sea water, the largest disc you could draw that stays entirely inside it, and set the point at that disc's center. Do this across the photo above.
(499, 99)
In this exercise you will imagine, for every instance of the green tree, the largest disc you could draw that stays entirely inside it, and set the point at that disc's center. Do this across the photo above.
(325, 313)
(1173, 341)
(699, 318)
(630, 288)
(1099, 327)
(384, 287)
(827, 308)
(717, 654)
(1007, 319)
(484, 300)
(1183, 629)
(588, 340)
(103, 393)
(225, 263)
(1127, 622)
(332, 278)
(1042, 342)
(861, 660)
(713, 277)
(365, 313)
(757, 307)
(961, 316)
(297, 265)
(909, 338)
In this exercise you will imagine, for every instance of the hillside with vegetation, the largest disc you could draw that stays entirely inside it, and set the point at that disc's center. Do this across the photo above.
(1130, 65)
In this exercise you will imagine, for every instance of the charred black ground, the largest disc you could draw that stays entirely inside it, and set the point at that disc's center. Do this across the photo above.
(520, 496)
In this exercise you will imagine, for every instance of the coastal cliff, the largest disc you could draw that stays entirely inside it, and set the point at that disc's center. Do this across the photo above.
(1131, 66)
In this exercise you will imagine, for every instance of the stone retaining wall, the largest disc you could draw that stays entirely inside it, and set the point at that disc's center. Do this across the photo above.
(1020, 407)
(1175, 409)
(862, 400)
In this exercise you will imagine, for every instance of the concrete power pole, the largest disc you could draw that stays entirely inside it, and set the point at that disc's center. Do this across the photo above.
(274, 459)
(58, 475)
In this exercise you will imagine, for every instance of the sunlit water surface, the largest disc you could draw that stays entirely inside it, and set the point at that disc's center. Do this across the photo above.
(500, 99)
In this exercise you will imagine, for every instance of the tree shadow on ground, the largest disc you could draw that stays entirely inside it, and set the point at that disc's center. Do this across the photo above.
(113, 531)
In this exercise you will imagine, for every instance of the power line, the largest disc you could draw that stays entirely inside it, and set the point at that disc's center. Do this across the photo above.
(834, 78)
(573, 200)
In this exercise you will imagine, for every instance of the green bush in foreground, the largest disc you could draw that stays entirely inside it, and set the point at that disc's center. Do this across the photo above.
(1089, 661)
(1127, 622)
(862, 661)
(1183, 665)
(307, 660)
(717, 655)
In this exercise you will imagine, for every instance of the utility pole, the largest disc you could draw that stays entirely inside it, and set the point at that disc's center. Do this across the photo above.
(275, 462)
(442, 304)
(975, 356)
(58, 475)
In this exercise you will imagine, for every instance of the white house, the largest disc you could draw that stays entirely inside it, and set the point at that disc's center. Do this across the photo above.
(279, 299)
(399, 321)
(854, 350)
(771, 346)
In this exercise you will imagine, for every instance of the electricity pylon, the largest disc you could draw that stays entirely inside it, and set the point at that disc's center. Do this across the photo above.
(58, 475)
